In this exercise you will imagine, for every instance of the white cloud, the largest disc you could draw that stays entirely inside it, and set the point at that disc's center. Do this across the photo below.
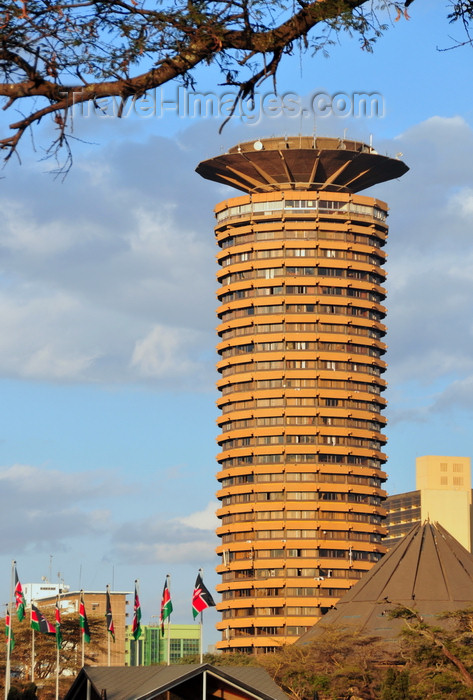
(166, 353)
(430, 263)
(46, 508)
(108, 278)
(204, 519)
(189, 538)
(461, 203)
(195, 552)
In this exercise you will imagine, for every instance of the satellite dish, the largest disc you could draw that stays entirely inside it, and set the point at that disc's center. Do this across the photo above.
(258, 146)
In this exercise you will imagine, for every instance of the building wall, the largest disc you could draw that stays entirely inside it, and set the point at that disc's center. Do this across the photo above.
(39, 591)
(95, 605)
(301, 292)
(443, 495)
(445, 485)
(152, 647)
(403, 512)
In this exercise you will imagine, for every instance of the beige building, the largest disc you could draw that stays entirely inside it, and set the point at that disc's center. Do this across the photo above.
(95, 606)
(443, 494)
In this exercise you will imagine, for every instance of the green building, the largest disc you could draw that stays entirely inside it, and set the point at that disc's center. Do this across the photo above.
(152, 647)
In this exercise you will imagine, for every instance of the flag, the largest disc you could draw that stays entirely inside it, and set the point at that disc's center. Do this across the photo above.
(136, 628)
(166, 606)
(83, 622)
(108, 615)
(9, 631)
(39, 622)
(58, 624)
(201, 598)
(19, 598)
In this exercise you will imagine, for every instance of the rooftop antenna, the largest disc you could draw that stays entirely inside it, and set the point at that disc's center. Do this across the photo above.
(371, 141)
(50, 566)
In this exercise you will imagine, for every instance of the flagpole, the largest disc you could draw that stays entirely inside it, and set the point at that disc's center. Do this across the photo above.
(57, 672)
(201, 573)
(82, 632)
(10, 630)
(108, 635)
(168, 577)
(7, 667)
(83, 652)
(136, 625)
(32, 653)
(201, 638)
(33, 649)
(58, 638)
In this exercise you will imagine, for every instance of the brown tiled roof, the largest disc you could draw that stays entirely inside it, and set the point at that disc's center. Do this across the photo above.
(428, 571)
(147, 682)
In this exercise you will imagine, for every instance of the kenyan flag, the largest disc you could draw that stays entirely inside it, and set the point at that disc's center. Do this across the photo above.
(136, 627)
(9, 631)
(19, 598)
(39, 622)
(201, 598)
(58, 624)
(108, 615)
(83, 622)
(166, 605)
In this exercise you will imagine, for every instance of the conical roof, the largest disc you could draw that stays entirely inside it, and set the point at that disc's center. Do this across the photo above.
(428, 571)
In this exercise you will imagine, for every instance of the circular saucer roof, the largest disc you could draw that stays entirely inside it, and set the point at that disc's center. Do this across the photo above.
(301, 162)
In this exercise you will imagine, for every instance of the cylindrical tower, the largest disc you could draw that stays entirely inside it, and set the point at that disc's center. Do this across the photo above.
(301, 345)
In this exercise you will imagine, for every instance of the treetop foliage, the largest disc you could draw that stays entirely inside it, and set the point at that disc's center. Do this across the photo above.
(45, 656)
(426, 661)
(56, 53)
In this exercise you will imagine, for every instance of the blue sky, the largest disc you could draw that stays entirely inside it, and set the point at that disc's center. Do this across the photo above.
(107, 299)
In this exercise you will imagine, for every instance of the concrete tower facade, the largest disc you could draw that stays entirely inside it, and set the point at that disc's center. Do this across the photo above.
(301, 346)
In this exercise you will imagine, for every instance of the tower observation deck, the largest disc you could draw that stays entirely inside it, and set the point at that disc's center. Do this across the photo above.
(301, 362)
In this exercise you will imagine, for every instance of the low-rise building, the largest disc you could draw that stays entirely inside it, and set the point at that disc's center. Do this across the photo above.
(443, 494)
(152, 647)
(95, 605)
